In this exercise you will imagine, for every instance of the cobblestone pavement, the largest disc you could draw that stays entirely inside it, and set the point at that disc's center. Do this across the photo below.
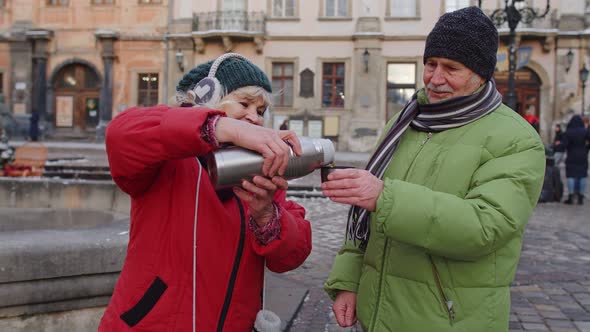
(552, 287)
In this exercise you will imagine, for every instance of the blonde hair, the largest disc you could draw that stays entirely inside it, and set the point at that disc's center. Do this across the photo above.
(251, 93)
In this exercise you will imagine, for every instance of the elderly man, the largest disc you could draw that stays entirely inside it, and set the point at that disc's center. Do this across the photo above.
(435, 233)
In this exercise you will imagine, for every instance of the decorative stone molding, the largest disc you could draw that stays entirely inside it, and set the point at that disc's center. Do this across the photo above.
(548, 44)
(227, 43)
(259, 44)
(185, 43)
(40, 40)
(368, 24)
(107, 39)
(199, 45)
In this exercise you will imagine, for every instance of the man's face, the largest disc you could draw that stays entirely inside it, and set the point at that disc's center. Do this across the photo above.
(445, 78)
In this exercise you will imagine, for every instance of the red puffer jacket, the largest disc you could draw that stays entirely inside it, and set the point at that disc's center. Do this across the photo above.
(151, 154)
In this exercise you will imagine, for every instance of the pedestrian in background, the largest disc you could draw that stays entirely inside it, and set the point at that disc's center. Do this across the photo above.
(574, 142)
(196, 256)
(435, 233)
(558, 148)
(284, 125)
(587, 126)
(532, 119)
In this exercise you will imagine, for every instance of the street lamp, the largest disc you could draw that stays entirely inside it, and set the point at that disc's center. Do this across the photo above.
(583, 79)
(180, 60)
(569, 59)
(513, 15)
(366, 55)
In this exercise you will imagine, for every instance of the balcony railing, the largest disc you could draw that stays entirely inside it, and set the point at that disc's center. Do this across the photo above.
(230, 20)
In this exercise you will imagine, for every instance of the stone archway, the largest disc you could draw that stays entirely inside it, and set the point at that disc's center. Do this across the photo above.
(74, 89)
(528, 89)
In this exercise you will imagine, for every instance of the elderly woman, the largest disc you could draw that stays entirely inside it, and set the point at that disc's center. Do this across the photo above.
(196, 256)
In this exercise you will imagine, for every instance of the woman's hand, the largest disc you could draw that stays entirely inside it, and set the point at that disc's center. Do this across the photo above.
(271, 144)
(355, 187)
(258, 194)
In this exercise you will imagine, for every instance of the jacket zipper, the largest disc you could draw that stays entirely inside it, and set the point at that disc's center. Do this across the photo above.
(428, 136)
(374, 320)
(447, 303)
(234, 272)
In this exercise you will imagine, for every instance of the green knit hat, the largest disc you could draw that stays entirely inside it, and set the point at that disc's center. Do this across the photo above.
(232, 73)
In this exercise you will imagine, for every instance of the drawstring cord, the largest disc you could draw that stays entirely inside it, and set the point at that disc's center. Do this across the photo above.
(195, 249)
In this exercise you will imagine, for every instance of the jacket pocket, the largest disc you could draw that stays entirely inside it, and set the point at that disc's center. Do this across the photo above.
(147, 302)
(447, 303)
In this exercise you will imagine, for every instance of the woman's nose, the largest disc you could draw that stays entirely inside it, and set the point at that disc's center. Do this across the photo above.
(252, 116)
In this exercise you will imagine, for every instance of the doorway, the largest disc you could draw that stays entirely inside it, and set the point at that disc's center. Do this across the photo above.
(77, 89)
(528, 87)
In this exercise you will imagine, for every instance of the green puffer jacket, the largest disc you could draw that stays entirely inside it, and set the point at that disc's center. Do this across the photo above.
(447, 232)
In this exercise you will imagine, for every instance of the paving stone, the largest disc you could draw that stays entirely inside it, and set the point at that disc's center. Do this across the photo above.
(530, 318)
(527, 288)
(546, 307)
(553, 314)
(534, 327)
(524, 310)
(541, 300)
(577, 315)
(553, 323)
(583, 326)
(582, 298)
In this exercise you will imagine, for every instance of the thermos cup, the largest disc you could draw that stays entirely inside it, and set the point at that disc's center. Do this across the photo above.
(229, 166)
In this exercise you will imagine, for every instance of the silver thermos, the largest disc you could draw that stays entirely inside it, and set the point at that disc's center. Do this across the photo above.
(229, 166)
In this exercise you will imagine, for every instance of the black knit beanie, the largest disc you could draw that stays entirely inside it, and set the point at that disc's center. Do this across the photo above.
(232, 73)
(467, 36)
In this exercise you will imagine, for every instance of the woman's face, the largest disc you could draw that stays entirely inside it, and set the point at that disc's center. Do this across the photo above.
(244, 109)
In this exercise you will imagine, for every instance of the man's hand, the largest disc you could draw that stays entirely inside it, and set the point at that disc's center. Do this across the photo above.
(355, 187)
(258, 194)
(271, 144)
(344, 308)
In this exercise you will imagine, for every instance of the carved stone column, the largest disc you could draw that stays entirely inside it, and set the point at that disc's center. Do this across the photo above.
(40, 123)
(107, 40)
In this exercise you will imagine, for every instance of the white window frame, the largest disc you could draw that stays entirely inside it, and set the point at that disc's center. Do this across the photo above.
(283, 14)
(394, 13)
(452, 5)
(336, 9)
(292, 90)
(135, 89)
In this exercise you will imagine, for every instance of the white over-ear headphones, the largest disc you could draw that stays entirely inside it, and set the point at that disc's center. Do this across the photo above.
(209, 89)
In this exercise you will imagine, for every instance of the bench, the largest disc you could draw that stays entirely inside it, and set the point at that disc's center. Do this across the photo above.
(29, 160)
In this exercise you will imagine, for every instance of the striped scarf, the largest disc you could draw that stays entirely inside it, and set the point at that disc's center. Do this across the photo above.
(437, 117)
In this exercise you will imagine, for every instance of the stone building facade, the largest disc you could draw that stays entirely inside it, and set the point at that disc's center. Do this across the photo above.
(344, 67)
(77, 62)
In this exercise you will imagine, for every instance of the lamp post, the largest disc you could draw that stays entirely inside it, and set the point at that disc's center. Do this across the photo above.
(514, 12)
(569, 59)
(583, 79)
(366, 55)
(180, 60)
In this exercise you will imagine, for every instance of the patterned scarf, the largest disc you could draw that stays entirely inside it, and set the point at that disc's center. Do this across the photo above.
(437, 117)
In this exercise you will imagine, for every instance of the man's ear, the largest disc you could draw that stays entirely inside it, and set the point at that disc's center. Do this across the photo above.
(478, 80)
